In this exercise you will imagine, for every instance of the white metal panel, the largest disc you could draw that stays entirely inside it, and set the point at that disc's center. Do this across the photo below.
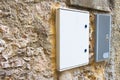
(72, 31)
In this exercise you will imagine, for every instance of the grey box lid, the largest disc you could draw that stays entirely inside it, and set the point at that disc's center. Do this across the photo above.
(103, 33)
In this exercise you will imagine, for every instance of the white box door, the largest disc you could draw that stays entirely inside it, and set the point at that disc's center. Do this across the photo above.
(72, 37)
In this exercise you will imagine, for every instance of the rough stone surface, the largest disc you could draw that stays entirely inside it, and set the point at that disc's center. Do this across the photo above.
(27, 41)
(93, 4)
(116, 38)
(25, 46)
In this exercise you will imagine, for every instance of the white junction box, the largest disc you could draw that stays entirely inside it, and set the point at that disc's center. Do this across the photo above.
(72, 38)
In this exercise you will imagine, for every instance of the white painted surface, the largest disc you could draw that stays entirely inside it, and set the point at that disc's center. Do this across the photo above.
(72, 38)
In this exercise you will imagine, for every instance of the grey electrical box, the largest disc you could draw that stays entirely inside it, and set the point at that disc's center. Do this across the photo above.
(103, 30)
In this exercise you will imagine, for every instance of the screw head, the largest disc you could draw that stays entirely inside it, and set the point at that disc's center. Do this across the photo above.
(85, 26)
(85, 50)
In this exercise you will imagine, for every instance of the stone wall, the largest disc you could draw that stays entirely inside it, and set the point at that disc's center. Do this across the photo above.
(27, 41)
(116, 37)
